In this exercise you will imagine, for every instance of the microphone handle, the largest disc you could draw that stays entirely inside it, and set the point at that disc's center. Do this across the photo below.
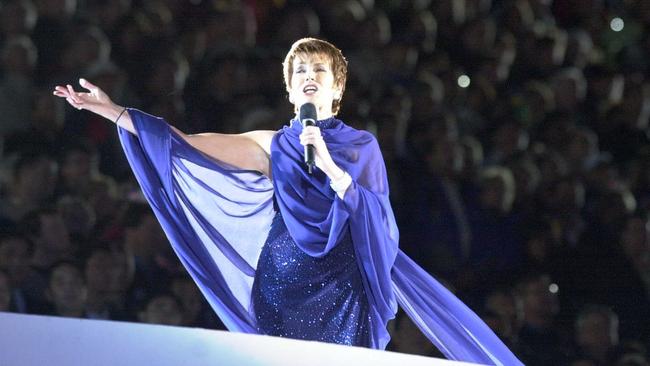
(309, 149)
(309, 157)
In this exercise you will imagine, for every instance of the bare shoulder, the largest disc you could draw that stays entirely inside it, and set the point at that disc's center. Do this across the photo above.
(262, 138)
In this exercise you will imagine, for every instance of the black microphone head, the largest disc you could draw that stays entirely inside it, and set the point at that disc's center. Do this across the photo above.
(307, 114)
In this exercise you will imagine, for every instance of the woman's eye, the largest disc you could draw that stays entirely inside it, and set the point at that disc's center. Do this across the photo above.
(300, 71)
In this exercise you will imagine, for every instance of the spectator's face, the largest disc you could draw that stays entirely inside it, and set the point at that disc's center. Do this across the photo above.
(472, 156)
(537, 106)
(227, 80)
(538, 247)
(122, 275)
(14, 257)
(516, 17)
(102, 199)
(526, 176)
(38, 179)
(297, 24)
(163, 310)
(498, 325)
(603, 176)
(83, 51)
(67, 288)
(550, 168)
(232, 29)
(565, 196)
(189, 294)
(642, 8)
(600, 87)
(566, 94)
(446, 157)
(17, 60)
(493, 195)
(409, 339)
(100, 270)
(47, 114)
(510, 138)
(399, 58)
(77, 167)
(15, 19)
(504, 306)
(635, 100)
(56, 9)
(539, 300)
(426, 101)
(611, 209)
(312, 81)
(478, 38)
(147, 241)
(371, 35)
(580, 148)
(578, 50)
(164, 79)
(635, 237)
(587, 8)
(131, 38)
(151, 234)
(5, 293)
(596, 333)
(54, 234)
(77, 215)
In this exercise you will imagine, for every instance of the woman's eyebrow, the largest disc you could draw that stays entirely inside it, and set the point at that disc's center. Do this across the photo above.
(323, 63)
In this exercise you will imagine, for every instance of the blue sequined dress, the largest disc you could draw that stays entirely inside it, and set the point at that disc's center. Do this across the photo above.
(298, 296)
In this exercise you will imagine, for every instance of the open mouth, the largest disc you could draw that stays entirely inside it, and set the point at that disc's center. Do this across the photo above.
(310, 89)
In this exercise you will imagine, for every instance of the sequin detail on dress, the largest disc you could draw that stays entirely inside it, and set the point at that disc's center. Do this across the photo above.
(298, 296)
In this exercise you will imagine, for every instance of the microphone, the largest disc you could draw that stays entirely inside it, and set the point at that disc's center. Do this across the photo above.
(307, 116)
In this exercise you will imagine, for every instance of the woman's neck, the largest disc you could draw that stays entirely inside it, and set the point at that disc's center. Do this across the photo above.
(324, 112)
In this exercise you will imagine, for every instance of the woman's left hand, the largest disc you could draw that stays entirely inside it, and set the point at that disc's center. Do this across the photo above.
(322, 158)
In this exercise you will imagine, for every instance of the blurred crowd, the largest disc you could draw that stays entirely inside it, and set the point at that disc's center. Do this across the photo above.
(515, 134)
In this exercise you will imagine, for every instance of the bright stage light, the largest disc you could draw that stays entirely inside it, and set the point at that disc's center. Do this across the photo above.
(464, 81)
(617, 24)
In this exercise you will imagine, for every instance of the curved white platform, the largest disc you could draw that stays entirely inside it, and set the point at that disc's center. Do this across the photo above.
(30, 340)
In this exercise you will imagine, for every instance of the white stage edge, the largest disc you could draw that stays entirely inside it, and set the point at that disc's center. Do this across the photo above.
(30, 340)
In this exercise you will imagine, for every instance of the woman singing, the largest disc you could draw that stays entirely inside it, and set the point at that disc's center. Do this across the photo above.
(281, 251)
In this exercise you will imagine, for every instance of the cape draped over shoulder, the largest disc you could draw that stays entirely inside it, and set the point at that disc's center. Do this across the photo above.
(217, 218)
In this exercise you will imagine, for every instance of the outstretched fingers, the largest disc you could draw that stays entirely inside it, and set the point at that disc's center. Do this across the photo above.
(73, 94)
(60, 91)
(69, 94)
(88, 85)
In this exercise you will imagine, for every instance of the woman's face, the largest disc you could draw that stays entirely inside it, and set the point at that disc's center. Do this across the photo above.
(312, 81)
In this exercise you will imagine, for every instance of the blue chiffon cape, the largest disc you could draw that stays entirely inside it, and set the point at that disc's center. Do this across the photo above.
(217, 218)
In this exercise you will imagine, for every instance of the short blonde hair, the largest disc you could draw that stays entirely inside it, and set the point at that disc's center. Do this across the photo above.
(313, 46)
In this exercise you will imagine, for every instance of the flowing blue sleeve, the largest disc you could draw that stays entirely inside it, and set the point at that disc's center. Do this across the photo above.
(215, 216)
(450, 325)
(393, 277)
(374, 232)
